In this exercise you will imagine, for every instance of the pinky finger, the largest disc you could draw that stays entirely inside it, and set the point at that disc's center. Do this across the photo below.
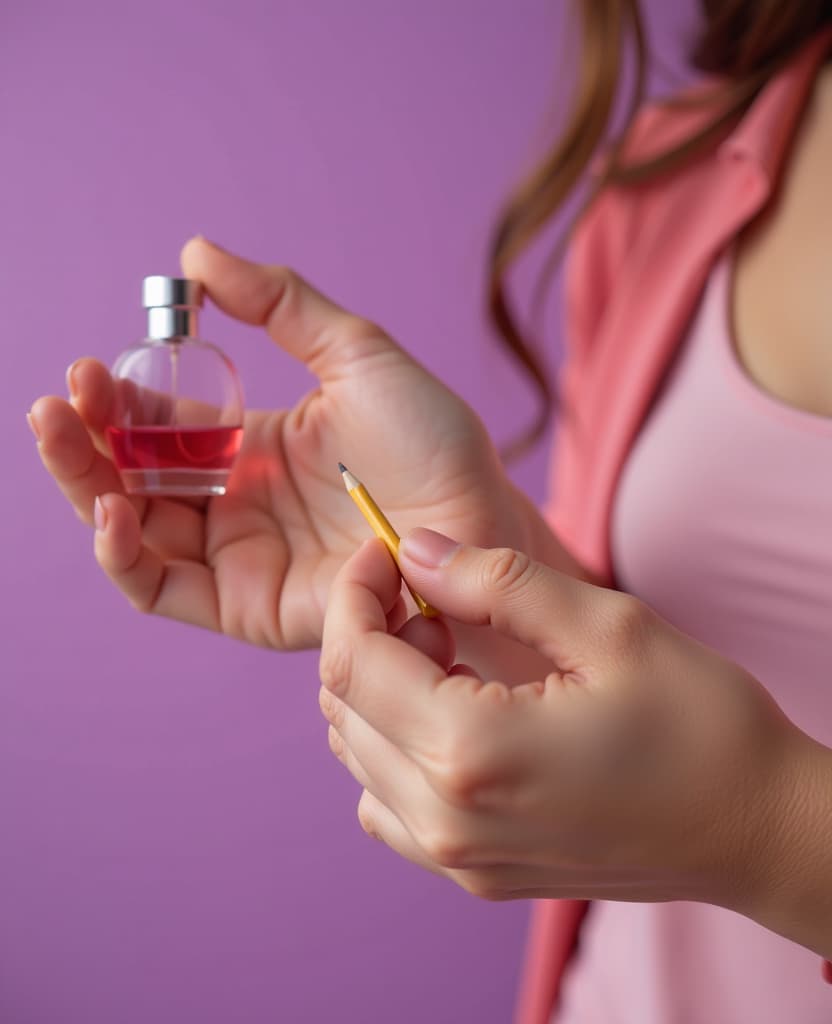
(181, 590)
(379, 822)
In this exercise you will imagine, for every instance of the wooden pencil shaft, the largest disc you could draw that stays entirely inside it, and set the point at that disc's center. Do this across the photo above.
(377, 519)
(384, 531)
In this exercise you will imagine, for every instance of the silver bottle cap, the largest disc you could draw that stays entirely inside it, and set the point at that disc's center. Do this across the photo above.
(171, 304)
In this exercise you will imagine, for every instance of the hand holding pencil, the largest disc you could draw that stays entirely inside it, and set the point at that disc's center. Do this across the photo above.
(589, 781)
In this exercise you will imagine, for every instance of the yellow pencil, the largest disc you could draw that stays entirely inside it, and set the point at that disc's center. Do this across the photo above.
(382, 529)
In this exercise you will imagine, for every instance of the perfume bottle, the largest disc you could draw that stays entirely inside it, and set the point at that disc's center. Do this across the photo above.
(177, 420)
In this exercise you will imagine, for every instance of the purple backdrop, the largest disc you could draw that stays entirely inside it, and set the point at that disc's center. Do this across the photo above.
(177, 843)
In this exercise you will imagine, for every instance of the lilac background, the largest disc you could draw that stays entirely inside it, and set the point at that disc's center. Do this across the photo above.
(177, 844)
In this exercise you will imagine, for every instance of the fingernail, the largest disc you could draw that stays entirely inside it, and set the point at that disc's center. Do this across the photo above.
(71, 382)
(428, 548)
(99, 515)
(33, 426)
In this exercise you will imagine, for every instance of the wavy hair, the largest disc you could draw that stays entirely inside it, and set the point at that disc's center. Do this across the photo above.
(744, 42)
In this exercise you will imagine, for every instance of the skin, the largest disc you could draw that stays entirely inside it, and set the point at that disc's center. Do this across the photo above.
(257, 563)
(462, 764)
(589, 782)
(547, 737)
(781, 281)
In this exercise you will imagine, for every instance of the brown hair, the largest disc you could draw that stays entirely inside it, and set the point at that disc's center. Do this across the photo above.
(745, 41)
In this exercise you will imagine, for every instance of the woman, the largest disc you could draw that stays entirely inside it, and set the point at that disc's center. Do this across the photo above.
(665, 752)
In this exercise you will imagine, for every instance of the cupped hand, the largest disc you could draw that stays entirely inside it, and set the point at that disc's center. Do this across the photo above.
(644, 766)
(257, 562)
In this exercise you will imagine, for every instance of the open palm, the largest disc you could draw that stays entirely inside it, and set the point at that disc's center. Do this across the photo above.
(257, 562)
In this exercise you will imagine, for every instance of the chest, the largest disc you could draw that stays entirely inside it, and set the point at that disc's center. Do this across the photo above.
(721, 518)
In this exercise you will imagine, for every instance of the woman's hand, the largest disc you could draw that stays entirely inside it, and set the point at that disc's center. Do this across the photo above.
(642, 767)
(257, 563)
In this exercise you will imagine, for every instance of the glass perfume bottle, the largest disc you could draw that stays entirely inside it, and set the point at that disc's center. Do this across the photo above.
(177, 421)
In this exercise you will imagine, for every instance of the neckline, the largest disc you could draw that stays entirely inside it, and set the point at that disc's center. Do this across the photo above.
(722, 287)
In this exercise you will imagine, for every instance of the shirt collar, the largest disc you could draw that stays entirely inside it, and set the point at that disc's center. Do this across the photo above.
(764, 134)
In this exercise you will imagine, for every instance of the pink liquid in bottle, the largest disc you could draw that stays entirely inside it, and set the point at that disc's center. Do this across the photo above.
(174, 460)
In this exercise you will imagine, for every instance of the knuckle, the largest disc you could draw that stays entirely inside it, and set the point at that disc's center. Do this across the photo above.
(446, 849)
(504, 569)
(335, 666)
(358, 338)
(332, 708)
(456, 783)
(628, 623)
(365, 817)
(336, 744)
(354, 328)
(289, 278)
(289, 282)
(280, 293)
(457, 775)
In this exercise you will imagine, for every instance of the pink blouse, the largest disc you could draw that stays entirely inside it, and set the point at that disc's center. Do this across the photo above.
(637, 268)
(721, 524)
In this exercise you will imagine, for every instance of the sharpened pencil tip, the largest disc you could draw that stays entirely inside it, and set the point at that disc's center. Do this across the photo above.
(342, 467)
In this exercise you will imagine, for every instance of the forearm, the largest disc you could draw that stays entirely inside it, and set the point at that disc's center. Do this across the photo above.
(794, 894)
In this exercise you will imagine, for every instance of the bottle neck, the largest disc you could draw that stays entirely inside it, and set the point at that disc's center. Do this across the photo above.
(171, 323)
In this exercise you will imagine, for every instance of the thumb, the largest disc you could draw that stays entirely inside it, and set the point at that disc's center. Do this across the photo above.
(544, 609)
(305, 323)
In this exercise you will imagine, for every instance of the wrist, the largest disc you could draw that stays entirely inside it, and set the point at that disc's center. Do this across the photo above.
(791, 892)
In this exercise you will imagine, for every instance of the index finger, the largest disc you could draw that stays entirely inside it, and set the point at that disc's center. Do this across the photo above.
(383, 679)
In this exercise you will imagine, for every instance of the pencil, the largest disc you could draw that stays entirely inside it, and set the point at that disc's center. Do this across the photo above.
(382, 529)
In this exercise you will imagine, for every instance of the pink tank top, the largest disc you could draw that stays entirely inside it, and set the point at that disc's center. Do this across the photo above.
(722, 522)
